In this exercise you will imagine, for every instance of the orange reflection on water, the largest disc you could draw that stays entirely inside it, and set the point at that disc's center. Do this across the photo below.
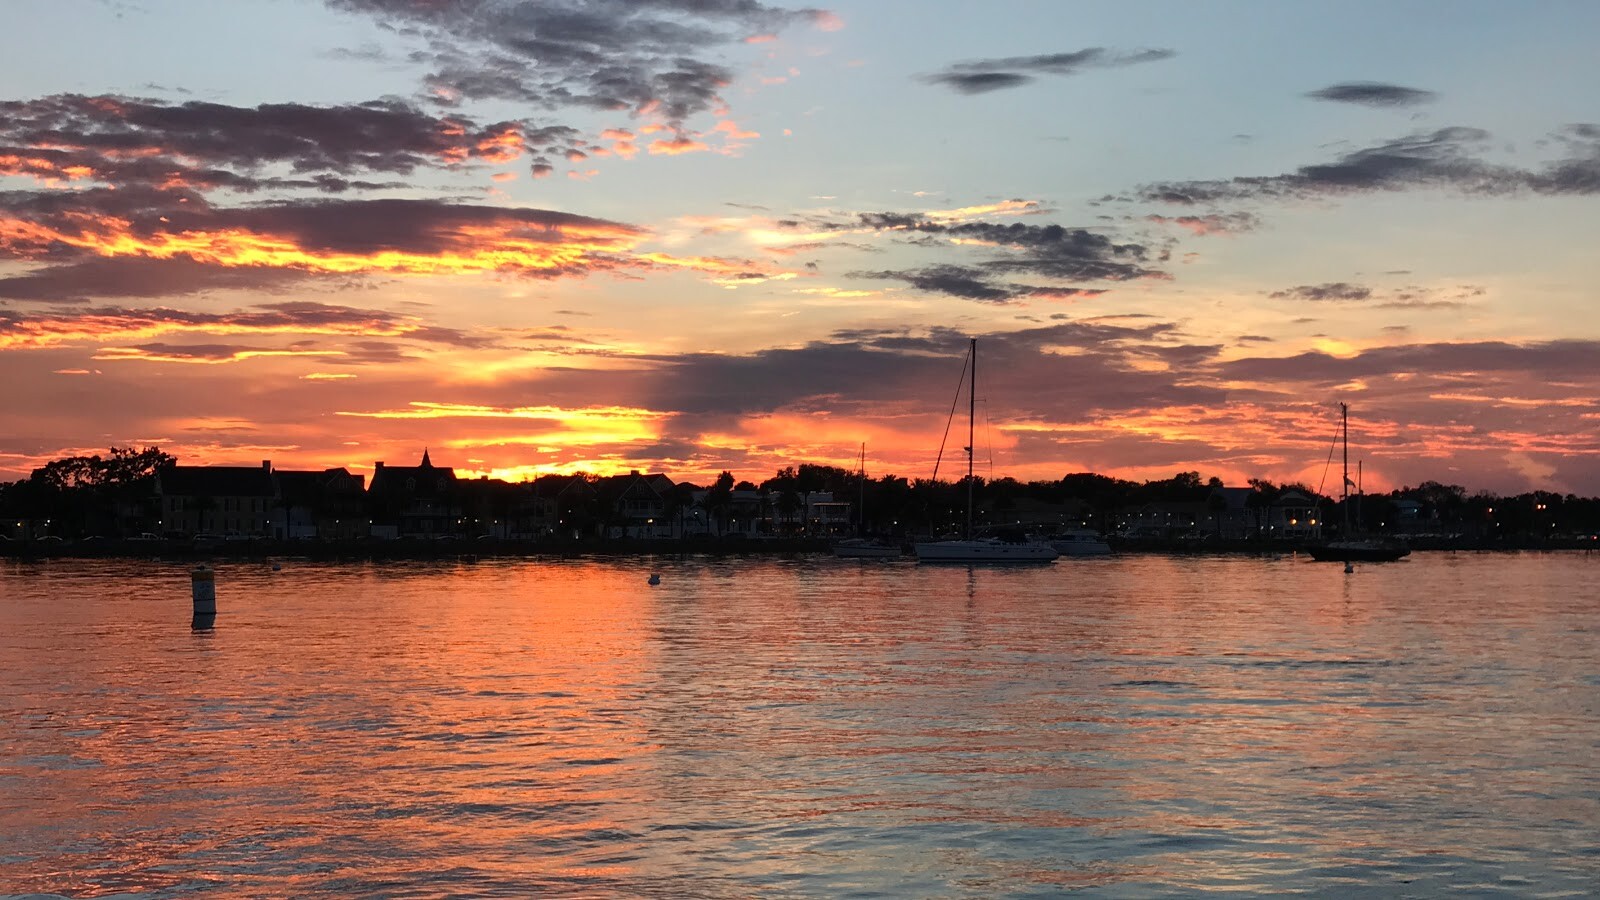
(802, 725)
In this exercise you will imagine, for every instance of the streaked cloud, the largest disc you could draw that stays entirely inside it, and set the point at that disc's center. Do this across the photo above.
(110, 324)
(1372, 93)
(1445, 159)
(1337, 290)
(985, 75)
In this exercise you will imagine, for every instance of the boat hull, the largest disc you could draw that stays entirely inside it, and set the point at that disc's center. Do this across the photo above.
(984, 552)
(1357, 551)
(865, 550)
(1081, 546)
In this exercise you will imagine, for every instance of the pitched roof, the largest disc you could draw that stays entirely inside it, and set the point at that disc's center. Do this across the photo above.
(1234, 497)
(216, 481)
(299, 484)
(424, 479)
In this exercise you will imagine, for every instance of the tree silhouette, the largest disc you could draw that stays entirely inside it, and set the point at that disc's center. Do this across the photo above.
(719, 500)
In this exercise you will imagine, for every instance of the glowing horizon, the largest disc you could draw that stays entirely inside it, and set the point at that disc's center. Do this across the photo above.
(384, 229)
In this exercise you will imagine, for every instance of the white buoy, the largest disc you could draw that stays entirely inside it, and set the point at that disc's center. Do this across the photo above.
(655, 577)
(203, 585)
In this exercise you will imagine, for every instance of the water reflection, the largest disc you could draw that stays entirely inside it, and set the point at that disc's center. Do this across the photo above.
(1138, 726)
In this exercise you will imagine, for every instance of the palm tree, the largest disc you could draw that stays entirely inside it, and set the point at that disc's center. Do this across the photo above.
(719, 500)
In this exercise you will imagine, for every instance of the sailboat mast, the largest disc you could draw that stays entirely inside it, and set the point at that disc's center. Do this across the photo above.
(861, 507)
(972, 412)
(1344, 486)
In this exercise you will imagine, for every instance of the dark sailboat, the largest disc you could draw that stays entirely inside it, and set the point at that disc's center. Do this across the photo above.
(1351, 548)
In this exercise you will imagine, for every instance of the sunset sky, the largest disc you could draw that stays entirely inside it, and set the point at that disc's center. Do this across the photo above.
(694, 235)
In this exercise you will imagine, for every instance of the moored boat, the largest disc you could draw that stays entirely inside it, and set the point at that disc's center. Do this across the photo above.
(969, 549)
(1354, 549)
(1079, 542)
(985, 550)
(1369, 550)
(865, 548)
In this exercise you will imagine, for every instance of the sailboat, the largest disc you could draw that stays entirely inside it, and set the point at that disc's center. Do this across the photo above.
(971, 549)
(1349, 548)
(864, 547)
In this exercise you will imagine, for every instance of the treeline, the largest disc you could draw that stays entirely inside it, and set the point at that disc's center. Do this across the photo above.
(1106, 501)
(89, 494)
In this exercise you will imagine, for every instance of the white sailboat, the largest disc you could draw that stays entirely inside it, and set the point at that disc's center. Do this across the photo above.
(971, 549)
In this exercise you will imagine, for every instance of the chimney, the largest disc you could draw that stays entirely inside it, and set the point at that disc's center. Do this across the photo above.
(377, 466)
(266, 465)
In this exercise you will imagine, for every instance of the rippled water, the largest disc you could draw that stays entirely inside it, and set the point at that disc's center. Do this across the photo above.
(1134, 727)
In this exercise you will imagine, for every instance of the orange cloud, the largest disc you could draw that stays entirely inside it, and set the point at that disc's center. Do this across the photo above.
(742, 268)
(827, 21)
(1005, 207)
(506, 244)
(501, 146)
(622, 142)
(132, 325)
(1064, 293)
(207, 358)
(677, 146)
(731, 129)
(43, 169)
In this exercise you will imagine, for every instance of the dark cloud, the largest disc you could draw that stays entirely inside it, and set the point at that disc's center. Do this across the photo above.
(138, 202)
(1545, 359)
(957, 281)
(885, 373)
(596, 54)
(134, 276)
(136, 141)
(377, 353)
(1337, 290)
(1038, 251)
(982, 76)
(972, 284)
(1372, 93)
(1410, 297)
(1230, 223)
(198, 353)
(454, 337)
(412, 226)
(1579, 173)
(1443, 159)
(1432, 298)
(980, 82)
(298, 317)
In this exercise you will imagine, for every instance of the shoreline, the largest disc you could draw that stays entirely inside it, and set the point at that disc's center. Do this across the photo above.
(472, 550)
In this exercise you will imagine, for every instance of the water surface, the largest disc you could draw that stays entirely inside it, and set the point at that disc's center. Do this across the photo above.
(1138, 726)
